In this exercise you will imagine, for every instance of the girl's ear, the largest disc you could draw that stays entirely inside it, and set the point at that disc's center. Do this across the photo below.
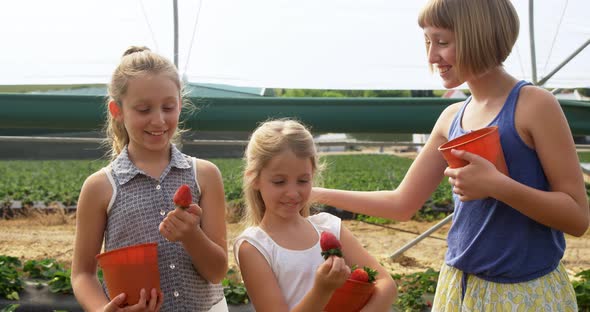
(115, 110)
(254, 180)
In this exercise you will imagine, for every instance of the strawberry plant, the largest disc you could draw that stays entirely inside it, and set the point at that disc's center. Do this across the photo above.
(42, 269)
(413, 288)
(11, 282)
(582, 289)
(61, 282)
(10, 308)
(60, 180)
(233, 289)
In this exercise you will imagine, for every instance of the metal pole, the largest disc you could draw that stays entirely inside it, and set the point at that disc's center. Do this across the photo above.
(421, 236)
(569, 58)
(532, 42)
(175, 9)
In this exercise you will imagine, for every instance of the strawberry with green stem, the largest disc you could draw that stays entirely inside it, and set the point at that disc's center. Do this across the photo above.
(183, 197)
(330, 245)
(366, 274)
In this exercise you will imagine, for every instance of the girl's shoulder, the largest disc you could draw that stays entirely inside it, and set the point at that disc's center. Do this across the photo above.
(324, 221)
(99, 187)
(256, 238)
(450, 111)
(535, 103)
(99, 180)
(441, 127)
(206, 167)
(537, 97)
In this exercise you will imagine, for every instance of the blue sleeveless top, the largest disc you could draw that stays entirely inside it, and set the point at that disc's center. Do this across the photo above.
(492, 240)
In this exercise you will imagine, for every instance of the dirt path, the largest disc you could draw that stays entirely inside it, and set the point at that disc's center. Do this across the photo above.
(52, 237)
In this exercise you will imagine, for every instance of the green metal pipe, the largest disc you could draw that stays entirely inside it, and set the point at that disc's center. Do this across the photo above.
(368, 115)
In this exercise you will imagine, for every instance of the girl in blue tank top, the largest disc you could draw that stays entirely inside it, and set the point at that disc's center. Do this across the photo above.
(507, 238)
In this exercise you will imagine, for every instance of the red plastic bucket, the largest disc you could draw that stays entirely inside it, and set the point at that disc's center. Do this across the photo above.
(484, 142)
(129, 269)
(350, 297)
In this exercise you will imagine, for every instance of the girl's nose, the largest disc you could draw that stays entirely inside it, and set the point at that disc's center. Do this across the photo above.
(433, 56)
(293, 193)
(158, 118)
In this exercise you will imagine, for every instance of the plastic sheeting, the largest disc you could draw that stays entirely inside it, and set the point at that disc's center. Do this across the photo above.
(328, 44)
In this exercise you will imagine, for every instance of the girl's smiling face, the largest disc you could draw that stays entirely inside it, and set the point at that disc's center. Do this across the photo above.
(150, 111)
(285, 184)
(441, 48)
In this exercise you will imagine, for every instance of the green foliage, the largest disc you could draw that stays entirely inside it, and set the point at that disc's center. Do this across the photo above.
(582, 289)
(412, 289)
(233, 289)
(45, 181)
(380, 172)
(49, 181)
(10, 308)
(584, 91)
(373, 220)
(61, 282)
(11, 282)
(364, 172)
(52, 272)
(427, 213)
(584, 157)
(42, 269)
(231, 171)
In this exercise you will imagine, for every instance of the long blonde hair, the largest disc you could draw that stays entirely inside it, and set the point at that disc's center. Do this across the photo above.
(135, 62)
(268, 140)
(485, 30)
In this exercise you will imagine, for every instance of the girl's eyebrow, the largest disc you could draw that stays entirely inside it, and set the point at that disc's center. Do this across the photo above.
(434, 35)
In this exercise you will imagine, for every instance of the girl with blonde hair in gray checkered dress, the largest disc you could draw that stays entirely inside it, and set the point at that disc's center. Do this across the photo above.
(129, 202)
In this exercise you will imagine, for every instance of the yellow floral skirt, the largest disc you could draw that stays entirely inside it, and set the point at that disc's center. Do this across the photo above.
(551, 292)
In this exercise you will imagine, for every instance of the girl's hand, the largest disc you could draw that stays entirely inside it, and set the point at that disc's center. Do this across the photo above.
(180, 224)
(332, 273)
(154, 304)
(474, 181)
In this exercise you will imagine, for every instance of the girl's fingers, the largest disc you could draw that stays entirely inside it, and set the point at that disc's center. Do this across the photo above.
(339, 266)
(160, 301)
(115, 303)
(153, 300)
(142, 298)
(195, 209)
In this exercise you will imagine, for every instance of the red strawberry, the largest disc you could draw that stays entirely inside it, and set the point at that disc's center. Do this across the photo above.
(366, 274)
(183, 197)
(330, 245)
(359, 275)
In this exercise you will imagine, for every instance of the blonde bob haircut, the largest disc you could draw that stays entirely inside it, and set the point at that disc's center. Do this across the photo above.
(269, 140)
(135, 62)
(485, 30)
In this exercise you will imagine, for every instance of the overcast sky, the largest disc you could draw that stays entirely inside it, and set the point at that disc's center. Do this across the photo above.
(338, 44)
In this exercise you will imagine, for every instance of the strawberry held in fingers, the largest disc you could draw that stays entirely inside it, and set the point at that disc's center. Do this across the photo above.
(330, 245)
(183, 197)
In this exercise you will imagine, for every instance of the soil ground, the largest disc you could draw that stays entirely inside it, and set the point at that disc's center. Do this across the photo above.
(41, 236)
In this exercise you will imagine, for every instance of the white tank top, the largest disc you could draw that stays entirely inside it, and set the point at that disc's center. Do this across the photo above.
(294, 269)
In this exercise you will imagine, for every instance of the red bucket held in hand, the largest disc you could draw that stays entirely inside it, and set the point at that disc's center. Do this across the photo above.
(484, 142)
(350, 297)
(129, 269)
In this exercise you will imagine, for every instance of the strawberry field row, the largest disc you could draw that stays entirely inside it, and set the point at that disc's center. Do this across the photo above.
(31, 182)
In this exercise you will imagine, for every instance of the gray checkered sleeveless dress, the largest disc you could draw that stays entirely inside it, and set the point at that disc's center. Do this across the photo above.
(138, 205)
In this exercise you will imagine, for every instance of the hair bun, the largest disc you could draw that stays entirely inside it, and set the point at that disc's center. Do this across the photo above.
(135, 49)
